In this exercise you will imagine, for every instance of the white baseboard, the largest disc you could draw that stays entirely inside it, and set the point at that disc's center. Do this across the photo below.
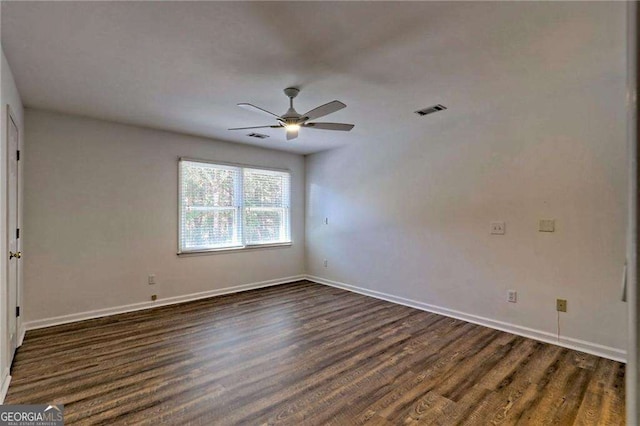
(566, 342)
(64, 319)
(4, 388)
(21, 332)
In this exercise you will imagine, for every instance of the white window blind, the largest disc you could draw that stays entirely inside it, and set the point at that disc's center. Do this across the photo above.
(266, 206)
(224, 206)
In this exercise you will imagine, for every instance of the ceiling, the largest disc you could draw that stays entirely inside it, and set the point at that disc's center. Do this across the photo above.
(183, 66)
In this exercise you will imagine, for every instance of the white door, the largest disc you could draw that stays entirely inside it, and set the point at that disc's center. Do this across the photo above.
(12, 232)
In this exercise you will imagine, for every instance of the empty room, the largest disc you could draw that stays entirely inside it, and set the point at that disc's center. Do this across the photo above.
(318, 213)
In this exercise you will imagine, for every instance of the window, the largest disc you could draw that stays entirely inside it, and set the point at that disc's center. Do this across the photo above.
(230, 207)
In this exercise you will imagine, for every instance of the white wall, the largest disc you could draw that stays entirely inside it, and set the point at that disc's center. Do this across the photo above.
(101, 214)
(8, 96)
(410, 217)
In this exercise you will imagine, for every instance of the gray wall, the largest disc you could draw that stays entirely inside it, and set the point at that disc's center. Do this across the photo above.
(101, 214)
(410, 217)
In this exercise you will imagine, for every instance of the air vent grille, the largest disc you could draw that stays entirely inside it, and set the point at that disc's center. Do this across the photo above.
(431, 110)
(258, 135)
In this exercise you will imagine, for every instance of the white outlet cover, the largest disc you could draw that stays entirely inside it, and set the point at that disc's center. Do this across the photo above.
(512, 296)
(152, 279)
(498, 228)
(547, 225)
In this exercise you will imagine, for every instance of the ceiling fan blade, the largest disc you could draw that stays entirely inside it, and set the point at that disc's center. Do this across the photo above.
(323, 110)
(250, 107)
(254, 127)
(329, 126)
(292, 134)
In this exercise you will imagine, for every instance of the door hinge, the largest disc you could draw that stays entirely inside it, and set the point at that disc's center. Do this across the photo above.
(17, 311)
(17, 233)
(18, 155)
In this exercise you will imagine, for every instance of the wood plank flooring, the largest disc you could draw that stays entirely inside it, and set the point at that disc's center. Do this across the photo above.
(307, 354)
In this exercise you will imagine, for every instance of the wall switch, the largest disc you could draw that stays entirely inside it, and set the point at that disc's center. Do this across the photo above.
(547, 225)
(154, 297)
(326, 263)
(152, 279)
(512, 296)
(498, 228)
(561, 305)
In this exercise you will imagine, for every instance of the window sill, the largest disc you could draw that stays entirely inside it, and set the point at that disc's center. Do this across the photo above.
(233, 249)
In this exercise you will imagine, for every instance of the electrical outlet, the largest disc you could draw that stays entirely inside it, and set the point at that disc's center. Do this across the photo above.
(561, 305)
(512, 296)
(326, 263)
(498, 228)
(152, 279)
(154, 297)
(547, 225)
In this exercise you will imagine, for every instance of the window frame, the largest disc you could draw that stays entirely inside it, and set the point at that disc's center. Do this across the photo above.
(240, 184)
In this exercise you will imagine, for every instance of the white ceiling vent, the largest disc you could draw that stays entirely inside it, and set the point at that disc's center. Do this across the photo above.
(258, 135)
(431, 109)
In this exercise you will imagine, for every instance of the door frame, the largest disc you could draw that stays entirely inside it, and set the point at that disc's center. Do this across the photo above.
(11, 310)
(633, 232)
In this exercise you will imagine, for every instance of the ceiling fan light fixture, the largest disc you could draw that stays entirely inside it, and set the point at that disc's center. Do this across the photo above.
(292, 121)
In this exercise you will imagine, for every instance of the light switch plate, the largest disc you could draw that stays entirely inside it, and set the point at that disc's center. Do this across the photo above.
(547, 225)
(498, 228)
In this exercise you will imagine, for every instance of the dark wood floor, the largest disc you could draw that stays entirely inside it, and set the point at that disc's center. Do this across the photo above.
(306, 354)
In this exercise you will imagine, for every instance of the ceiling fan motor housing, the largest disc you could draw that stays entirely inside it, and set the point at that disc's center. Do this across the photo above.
(291, 121)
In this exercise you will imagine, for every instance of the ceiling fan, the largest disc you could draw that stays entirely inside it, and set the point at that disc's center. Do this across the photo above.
(292, 121)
